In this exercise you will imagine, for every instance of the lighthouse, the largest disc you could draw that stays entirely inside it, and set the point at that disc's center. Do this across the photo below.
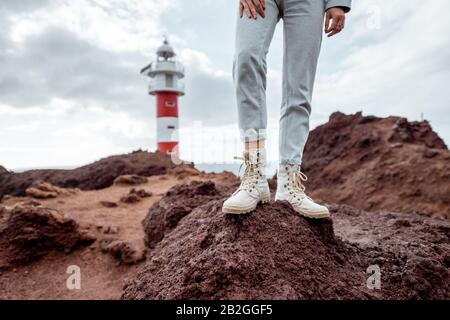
(165, 73)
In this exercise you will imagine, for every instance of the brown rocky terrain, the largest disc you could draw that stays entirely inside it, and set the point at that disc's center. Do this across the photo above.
(29, 231)
(93, 229)
(98, 175)
(379, 163)
(273, 253)
(141, 228)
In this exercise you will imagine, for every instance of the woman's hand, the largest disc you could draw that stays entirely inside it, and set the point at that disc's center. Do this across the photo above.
(252, 8)
(334, 21)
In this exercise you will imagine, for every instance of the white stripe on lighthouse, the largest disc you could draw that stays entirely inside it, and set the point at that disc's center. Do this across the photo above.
(167, 129)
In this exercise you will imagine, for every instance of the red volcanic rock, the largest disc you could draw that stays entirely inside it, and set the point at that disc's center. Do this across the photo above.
(177, 203)
(125, 252)
(379, 163)
(273, 253)
(30, 231)
(130, 179)
(98, 175)
(45, 190)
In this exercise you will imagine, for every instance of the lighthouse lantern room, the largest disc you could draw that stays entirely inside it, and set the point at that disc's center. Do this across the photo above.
(165, 85)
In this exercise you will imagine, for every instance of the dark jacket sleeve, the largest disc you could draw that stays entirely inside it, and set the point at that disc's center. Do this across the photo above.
(345, 4)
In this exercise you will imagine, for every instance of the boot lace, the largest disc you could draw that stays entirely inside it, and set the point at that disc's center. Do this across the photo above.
(296, 187)
(251, 174)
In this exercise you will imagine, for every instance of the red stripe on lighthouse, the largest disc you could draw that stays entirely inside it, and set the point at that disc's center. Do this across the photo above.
(166, 147)
(166, 104)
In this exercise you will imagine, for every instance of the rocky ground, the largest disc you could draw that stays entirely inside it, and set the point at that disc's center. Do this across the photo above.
(273, 253)
(144, 233)
(98, 175)
(100, 231)
(379, 163)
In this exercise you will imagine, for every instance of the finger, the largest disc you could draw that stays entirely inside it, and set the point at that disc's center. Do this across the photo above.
(334, 23)
(241, 10)
(333, 26)
(336, 27)
(252, 8)
(340, 24)
(332, 33)
(327, 22)
(247, 9)
(260, 7)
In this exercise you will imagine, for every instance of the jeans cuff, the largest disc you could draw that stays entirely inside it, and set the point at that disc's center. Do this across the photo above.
(252, 135)
(294, 162)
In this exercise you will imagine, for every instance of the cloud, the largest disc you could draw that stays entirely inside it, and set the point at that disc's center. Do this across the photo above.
(22, 5)
(389, 71)
(210, 93)
(59, 64)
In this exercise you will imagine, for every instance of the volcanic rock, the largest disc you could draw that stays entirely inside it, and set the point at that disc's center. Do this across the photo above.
(135, 195)
(273, 253)
(379, 163)
(130, 198)
(184, 170)
(178, 202)
(130, 179)
(28, 232)
(46, 190)
(98, 175)
(109, 204)
(125, 252)
(141, 193)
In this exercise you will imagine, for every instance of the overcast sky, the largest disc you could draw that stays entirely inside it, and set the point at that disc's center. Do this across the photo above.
(70, 89)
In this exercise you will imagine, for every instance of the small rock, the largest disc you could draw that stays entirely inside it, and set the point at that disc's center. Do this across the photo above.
(105, 242)
(390, 216)
(45, 190)
(7, 197)
(141, 193)
(32, 203)
(399, 223)
(130, 180)
(109, 204)
(111, 230)
(429, 153)
(130, 198)
(135, 195)
(125, 252)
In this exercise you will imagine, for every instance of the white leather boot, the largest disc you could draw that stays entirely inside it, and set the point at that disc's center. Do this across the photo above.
(254, 187)
(291, 189)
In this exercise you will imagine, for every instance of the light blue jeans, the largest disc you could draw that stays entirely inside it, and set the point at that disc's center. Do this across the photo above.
(303, 23)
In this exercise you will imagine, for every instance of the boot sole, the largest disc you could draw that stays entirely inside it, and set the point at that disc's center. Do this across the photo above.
(234, 210)
(315, 215)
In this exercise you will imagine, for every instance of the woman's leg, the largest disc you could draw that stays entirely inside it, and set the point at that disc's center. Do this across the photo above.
(303, 22)
(255, 145)
(253, 39)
